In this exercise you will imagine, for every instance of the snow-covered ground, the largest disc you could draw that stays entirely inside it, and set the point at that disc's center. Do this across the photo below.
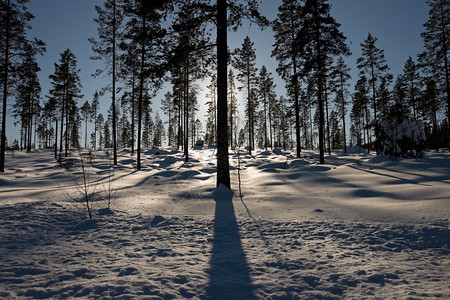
(358, 227)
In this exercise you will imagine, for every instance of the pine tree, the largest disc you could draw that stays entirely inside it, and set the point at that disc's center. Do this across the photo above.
(28, 90)
(75, 127)
(286, 28)
(158, 134)
(360, 111)
(46, 131)
(211, 112)
(430, 105)
(94, 117)
(340, 75)
(244, 61)
(373, 64)
(266, 91)
(14, 24)
(100, 124)
(413, 80)
(232, 108)
(167, 106)
(107, 135)
(191, 54)
(144, 28)
(109, 20)
(66, 90)
(336, 139)
(85, 116)
(193, 108)
(222, 14)
(129, 73)
(124, 126)
(318, 40)
(384, 96)
(435, 37)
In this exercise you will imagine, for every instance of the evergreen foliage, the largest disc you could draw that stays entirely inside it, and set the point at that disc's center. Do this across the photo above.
(244, 61)
(66, 89)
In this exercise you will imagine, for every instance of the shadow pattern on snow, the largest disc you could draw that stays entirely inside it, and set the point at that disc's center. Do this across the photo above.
(229, 271)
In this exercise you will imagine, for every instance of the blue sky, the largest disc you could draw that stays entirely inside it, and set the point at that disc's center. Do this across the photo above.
(63, 24)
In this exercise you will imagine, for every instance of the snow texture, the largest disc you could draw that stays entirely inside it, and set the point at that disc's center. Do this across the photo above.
(358, 227)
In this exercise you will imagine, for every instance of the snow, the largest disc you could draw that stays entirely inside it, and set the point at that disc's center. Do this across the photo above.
(360, 226)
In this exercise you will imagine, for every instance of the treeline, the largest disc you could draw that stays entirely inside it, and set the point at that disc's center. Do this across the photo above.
(147, 44)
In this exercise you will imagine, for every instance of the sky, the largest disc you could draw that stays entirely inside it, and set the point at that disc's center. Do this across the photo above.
(63, 24)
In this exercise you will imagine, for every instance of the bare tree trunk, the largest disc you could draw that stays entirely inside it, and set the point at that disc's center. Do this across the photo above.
(5, 87)
(114, 125)
(223, 167)
(186, 109)
(141, 91)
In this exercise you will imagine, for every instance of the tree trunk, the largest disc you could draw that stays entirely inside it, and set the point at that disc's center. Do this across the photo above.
(223, 168)
(296, 92)
(186, 109)
(56, 139)
(114, 125)
(444, 48)
(321, 123)
(133, 110)
(5, 87)
(141, 91)
(328, 122)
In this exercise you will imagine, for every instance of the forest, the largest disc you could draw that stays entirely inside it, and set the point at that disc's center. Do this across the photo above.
(145, 46)
(336, 189)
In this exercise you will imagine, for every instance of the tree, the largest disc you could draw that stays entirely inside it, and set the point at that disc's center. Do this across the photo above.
(94, 117)
(373, 64)
(124, 127)
(211, 112)
(129, 73)
(158, 135)
(222, 14)
(286, 28)
(66, 88)
(340, 75)
(28, 90)
(413, 80)
(14, 23)
(48, 116)
(266, 93)
(101, 137)
(244, 61)
(360, 111)
(148, 126)
(435, 38)
(167, 106)
(431, 105)
(109, 20)
(336, 139)
(232, 108)
(318, 40)
(144, 29)
(191, 53)
(85, 116)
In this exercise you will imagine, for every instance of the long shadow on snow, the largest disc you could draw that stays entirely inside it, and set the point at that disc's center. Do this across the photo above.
(229, 271)
(422, 179)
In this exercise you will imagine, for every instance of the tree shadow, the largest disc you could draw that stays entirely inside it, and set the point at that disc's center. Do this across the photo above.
(229, 271)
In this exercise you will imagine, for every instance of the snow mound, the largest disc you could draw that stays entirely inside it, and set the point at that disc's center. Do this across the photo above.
(379, 159)
(278, 151)
(168, 160)
(296, 163)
